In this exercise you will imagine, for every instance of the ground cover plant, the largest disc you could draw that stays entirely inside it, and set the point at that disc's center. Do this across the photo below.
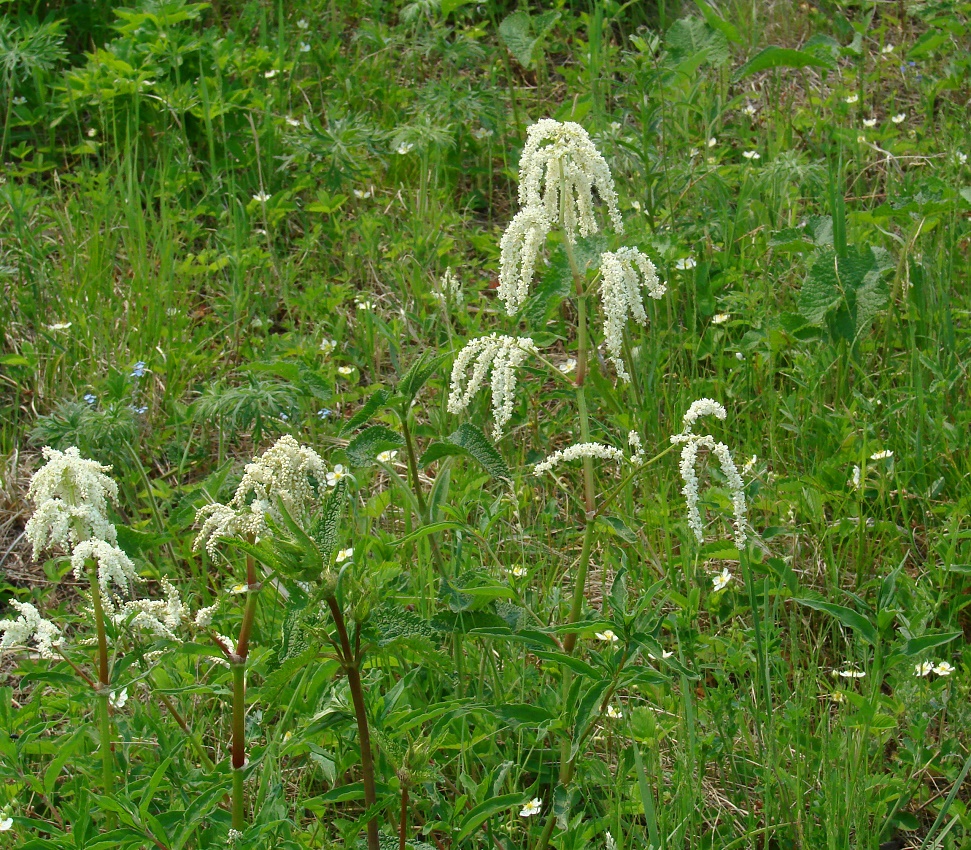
(452, 425)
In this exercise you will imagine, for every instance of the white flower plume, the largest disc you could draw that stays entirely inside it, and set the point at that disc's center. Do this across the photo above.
(577, 451)
(518, 250)
(621, 296)
(29, 625)
(71, 494)
(501, 354)
(160, 617)
(115, 568)
(287, 471)
(562, 157)
(689, 457)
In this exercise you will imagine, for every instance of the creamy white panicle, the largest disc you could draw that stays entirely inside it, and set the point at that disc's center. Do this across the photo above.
(518, 251)
(620, 294)
(501, 354)
(451, 287)
(578, 451)
(562, 157)
(285, 472)
(29, 626)
(115, 568)
(160, 617)
(71, 496)
(689, 457)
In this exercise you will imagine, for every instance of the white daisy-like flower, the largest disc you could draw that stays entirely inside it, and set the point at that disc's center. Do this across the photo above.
(345, 370)
(404, 148)
(92, 132)
(519, 571)
(500, 354)
(899, 118)
(750, 464)
(925, 668)
(519, 249)
(568, 365)
(327, 345)
(304, 47)
(6, 824)
(363, 304)
(959, 158)
(336, 474)
(533, 807)
(665, 653)
(362, 194)
(884, 454)
(625, 274)
(712, 142)
(852, 98)
(685, 263)
(117, 699)
(943, 668)
(271, 73)
(614, 713)
(869, 122)
(721, 581)
(262, 197)
(239, 588)
(59, 326)
(559, 170)
(344, 555)
(749, 109)
(19, 101)
(887, 48)
(71, 495)
(607, 636)
(739, 355)
(302, 24)
(752, 155)
(388, 456)
(577, 451)
(720, 318)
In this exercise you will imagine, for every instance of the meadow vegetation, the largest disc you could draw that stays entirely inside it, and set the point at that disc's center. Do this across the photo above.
(275, 569)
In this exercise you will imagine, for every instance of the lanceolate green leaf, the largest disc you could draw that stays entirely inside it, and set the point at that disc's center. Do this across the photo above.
(846, 616)
(377, 400)
(781, 57)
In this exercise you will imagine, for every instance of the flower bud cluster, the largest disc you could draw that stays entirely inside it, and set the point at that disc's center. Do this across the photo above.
(693, 443)
(620, 294)
(577, 451)
(30, 626)
(500, 354)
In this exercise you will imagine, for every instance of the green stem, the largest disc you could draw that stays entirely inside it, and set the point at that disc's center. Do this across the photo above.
(104, 685)
(351, 663)
(416, 488)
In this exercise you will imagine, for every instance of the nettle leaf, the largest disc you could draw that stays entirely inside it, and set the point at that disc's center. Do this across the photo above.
(392, 624)
(327, 524)
(418, 374)
(845, 291)
(478, 446)
(690, 38)
(364, 449)
(377, 400)
(522, 33)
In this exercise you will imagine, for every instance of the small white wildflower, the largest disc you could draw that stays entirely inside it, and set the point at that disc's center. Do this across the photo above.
(685, 263)
(887, 48)
(271, 73)
(19, 101)
(362, 194)
(609, 843)
(636, 205)
(959, 158)
(92, 132)
(71, 495)
(327, 346)
(404, 148)
(665, 653)
(117, 699)
(636, 447)
(336, 475)
(577, 451)
(233, 836)
(884, 454)
(722, 580)
(518, 251)
(568, 365)
(899, 118)
(345, 370)
(533, 807)
(625, 273)
(720, 318)
(712, 142)
(387, 457)
(6, 824)
(482, 133)
(302, 24)
(363, 304)
(304, 47)
(861, 139)
(925, 668)
(869, 122)
(519, 571)
(849, 674)
(451, 287)
(59, 326)
(500, 354)
(752, 155)
(750, 464)
(293, 122)
(739, 355)
(837, 697)
(614, 713)
(853, 98)
(239, 588)
(344, 555)
(607, 636)
(855, 478)
(262, 197)
(30, 626)
(749, 109)
(561, 158)
(943, 668)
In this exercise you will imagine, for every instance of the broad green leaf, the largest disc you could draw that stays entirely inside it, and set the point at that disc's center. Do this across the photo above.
(377, 400)
(416, 376)
(714, 20)
(619, 527)
(477, 445)
(449, 6)
(781, 57)
(437, 451)
(917, 645)
(364, 449)
(327, 526)
(522, 33)
(425, 530)
(481, 813)
(846, 616)
(693, 41)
